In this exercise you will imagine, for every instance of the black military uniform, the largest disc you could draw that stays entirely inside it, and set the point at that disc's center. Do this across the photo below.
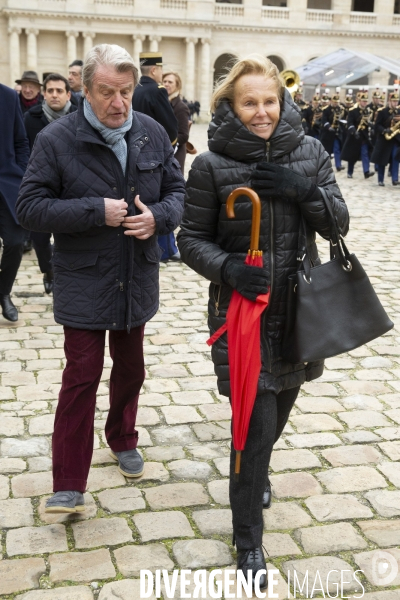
(331, 132)
(151, 98)
(375, 105)
(386, 151)
(312, 118)
(357, 144)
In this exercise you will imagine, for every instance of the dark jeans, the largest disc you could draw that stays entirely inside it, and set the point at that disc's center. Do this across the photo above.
(74, 420)
(43, 249)
(269, 417)
(167, 245)
(13, 237)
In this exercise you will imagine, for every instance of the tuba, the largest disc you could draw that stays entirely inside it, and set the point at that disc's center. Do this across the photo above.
(291, 80)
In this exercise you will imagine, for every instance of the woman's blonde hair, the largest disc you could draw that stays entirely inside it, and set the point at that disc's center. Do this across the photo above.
(254, 64)
(177, 79)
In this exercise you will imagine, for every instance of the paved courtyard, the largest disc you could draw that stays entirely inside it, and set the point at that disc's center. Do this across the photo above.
(335, 473)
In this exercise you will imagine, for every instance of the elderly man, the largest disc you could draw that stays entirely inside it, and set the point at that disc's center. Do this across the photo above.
(105, 182)
(30, 90)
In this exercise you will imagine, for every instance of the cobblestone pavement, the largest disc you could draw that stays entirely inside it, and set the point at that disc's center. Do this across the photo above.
(335, 472)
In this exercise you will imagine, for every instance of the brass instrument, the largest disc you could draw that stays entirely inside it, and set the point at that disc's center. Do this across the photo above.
(394, 125)
(338, 114)
(365, 122)
(317, 117)
(291, 80)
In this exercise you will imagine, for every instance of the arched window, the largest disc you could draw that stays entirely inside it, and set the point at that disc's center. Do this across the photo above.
(277, 61)
(222, 65)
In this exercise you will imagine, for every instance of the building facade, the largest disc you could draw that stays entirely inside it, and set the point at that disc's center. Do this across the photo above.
(197, 37)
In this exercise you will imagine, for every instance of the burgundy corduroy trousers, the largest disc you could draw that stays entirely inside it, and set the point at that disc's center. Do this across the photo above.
(74, 420)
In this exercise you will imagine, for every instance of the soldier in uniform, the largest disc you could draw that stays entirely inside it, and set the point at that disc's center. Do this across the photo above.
(387, 150)
(331, 133)
(357, 144)
(151, 98)
(312, 117)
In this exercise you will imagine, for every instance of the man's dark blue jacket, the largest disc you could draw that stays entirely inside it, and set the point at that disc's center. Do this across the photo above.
(103, 279)
(14, 147)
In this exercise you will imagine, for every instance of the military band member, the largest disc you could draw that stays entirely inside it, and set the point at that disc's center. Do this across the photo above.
(357, 144)
(387, 145)
(312, 117)
(331, 134)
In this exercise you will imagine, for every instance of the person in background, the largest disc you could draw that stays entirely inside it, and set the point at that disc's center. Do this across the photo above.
(358, 139)
(14, 155)
(56, 104)
(386, 151)
(75, 80)
(173, 84)
(30, 90)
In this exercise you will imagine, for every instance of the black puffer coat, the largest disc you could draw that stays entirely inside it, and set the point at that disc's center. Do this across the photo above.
(103, 279)
(207, 235)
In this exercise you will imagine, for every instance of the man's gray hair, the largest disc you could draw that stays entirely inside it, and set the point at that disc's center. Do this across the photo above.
(109, 55)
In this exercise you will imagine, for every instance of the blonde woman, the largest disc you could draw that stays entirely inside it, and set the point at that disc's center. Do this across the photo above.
(173, 84)
(256, 139)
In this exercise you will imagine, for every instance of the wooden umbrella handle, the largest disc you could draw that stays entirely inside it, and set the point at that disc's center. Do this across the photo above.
(256, 215)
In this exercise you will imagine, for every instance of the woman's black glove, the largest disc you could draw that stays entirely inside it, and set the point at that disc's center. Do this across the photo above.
(270, 179)
(247, 280)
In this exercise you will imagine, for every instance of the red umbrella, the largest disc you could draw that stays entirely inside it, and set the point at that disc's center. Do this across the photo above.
(243, 321)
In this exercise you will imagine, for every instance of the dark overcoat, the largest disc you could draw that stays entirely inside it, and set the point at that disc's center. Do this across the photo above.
(14, 147)
(35, 120)
(182, 114)
(351, 150)
(383, 147)
(207, 236)
(151, 98)
(103, 279)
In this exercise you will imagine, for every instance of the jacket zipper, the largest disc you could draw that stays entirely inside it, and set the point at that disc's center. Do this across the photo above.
(117, 172)
(271, 263)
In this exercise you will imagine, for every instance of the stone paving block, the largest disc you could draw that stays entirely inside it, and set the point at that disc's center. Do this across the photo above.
(32, 484)
(101, 532)
(219, 491)
(126, 589)
(200, 554)
(12, 465)
(337, 362)
(207, 432)
(315, 423)
(376, 362)
(171, 495)
(216, 412)
(352, 455)
(22, 448)
(360, 437)
(370, 388)
(198, 383)
(42, 425)
(132, 559)
(104, 477)
(294, 485)
(363, 418)
(11, 426)
(168, 371)
(20, 574)
(201, 368)
(147, 416)
(102, 456)
(382, 533)
(81, 566)
(36, 540)
(386, 503)
(313, 440)
(279, 544)
(77, 592)
(391, 449)
(49, 376)
(123, 499)
(50, 518)
(322, 566)
(165, 453)
(394, 414)
(369, 563)
(144, 437)
(208, 451)
(361, 402)
(16, 513)
(336, 507)
(154, 471)
(215, 521)
(190, 397)
(9, 366)
(393, 400)
(285, 515)
(175, 415)
(162, 525)
(154, 400)
(283, 460)
(161, 386)
(190, 469)
(391, 470)
(309, 404)
(387, 595)
(315, 388)
(389, 433)
(373, 375)
(330, 538)
(39, 463)
(168, 436)
(351, 479)
(163, 340)
(222, 465)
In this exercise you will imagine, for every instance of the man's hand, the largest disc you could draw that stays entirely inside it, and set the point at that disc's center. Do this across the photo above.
(141, 226)
(115, 211)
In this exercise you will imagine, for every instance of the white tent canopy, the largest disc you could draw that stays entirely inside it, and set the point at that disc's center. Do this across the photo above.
(344, 66)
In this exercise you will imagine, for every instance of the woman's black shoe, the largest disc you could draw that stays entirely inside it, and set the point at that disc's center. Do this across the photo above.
(253, 560)
(267, 496)
(48, 282)
(9, 311)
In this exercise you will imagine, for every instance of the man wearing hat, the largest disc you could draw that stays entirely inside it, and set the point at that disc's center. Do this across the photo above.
(30, 90)
(332, 128)
(312, 117)
(387, 150)
(357, 144)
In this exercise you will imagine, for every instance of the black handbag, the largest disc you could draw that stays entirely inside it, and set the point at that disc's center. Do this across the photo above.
(331, 308)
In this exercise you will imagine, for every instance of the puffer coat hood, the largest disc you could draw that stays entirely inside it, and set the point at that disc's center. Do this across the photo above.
(207, 236)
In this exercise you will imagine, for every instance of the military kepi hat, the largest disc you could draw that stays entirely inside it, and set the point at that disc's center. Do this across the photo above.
(31, 76)
(394, 95)
(150, 59)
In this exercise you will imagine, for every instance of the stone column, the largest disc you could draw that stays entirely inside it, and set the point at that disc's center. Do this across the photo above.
(71, 45)
(190, 68)
(385, 11)
(31, 49)
(154, 40)
(205, 85)
(88, 37)
(138, 40)
(15, 60)
(297, 10)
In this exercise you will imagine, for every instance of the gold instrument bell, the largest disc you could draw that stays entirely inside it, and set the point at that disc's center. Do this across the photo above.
(291, 80)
